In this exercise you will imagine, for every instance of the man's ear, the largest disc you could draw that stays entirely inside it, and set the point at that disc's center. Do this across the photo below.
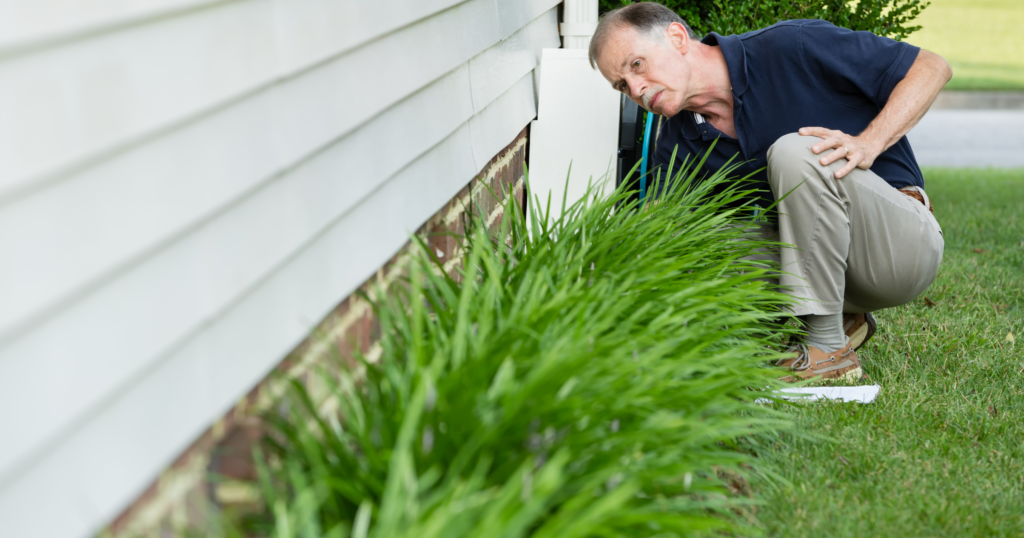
(678, 37)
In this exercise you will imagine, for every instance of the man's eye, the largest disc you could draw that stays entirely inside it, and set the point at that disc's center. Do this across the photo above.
(636, 64)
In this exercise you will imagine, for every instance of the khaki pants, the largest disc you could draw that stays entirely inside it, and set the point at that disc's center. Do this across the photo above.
(861, 245)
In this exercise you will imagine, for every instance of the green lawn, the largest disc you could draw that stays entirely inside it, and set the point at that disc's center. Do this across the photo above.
(941, 451)
(982, 39)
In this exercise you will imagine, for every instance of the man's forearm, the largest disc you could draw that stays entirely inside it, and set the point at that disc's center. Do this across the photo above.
(909, 101)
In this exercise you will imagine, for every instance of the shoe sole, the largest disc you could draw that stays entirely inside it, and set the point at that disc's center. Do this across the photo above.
(849, 377)
(853, 375)
(846, 377)
(864, 332)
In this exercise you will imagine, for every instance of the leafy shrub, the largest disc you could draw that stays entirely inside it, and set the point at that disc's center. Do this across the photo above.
(890, 18)
(586, 376)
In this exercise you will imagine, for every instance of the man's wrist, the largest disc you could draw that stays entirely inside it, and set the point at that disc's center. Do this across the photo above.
(875, 145)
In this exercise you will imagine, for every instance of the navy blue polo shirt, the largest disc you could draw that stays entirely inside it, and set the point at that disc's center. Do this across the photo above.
(793, 74)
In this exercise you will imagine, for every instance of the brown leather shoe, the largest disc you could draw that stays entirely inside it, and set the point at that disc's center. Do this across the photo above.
(810, 362)
(859, 328)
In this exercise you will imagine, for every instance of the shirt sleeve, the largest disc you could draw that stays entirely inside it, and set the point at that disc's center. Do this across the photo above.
(856, 62)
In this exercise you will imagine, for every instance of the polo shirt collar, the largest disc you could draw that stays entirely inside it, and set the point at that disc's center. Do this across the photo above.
(735, 59)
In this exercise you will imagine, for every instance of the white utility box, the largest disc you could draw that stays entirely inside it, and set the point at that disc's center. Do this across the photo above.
(577, 124)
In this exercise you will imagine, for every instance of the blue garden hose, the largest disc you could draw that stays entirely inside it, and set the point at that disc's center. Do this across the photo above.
(643, 160)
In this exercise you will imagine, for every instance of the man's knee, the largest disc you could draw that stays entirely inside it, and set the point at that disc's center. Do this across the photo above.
(789, 160)
(792, 146)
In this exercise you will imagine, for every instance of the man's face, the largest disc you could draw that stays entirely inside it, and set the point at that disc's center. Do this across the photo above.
(651, 71)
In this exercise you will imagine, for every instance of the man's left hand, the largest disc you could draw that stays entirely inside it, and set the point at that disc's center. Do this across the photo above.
(857, 151)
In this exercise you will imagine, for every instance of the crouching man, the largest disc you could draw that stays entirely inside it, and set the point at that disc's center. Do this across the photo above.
(823, 112)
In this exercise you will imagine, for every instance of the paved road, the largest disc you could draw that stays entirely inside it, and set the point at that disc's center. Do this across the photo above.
(970, 138)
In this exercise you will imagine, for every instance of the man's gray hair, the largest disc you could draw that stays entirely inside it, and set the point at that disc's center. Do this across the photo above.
(645, 17)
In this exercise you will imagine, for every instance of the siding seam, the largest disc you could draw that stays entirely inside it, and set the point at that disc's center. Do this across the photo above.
(31, 45)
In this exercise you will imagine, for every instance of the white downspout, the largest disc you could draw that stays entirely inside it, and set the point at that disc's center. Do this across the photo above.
(579, 22)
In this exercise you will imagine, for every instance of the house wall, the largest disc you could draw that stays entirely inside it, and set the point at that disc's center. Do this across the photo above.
(188, 187)
(217, 471)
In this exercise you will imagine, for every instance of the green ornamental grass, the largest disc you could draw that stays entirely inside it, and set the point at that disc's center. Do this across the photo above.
(588, 375)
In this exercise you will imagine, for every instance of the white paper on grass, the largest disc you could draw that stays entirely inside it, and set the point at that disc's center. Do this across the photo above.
(861, 394)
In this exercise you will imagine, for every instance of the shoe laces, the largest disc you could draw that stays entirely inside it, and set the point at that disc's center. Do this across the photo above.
(803, 358)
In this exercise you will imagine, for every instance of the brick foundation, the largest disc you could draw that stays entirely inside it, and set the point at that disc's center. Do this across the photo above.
(183, 495)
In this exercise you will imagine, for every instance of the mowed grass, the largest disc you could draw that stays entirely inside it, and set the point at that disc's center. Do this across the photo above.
(982, 40)
(941, 451)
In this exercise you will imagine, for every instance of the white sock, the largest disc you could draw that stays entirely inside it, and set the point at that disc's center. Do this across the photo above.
(825, 332)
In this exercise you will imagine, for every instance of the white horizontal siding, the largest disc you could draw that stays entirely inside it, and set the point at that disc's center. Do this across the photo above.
(28, 25)
(231, 151)
(68, 106)
(150, 289)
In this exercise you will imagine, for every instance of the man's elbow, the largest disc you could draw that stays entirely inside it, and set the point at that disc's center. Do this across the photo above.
(940, 67)
(945, 70)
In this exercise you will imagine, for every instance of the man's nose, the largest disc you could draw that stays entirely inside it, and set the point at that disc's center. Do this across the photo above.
(636, 88)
